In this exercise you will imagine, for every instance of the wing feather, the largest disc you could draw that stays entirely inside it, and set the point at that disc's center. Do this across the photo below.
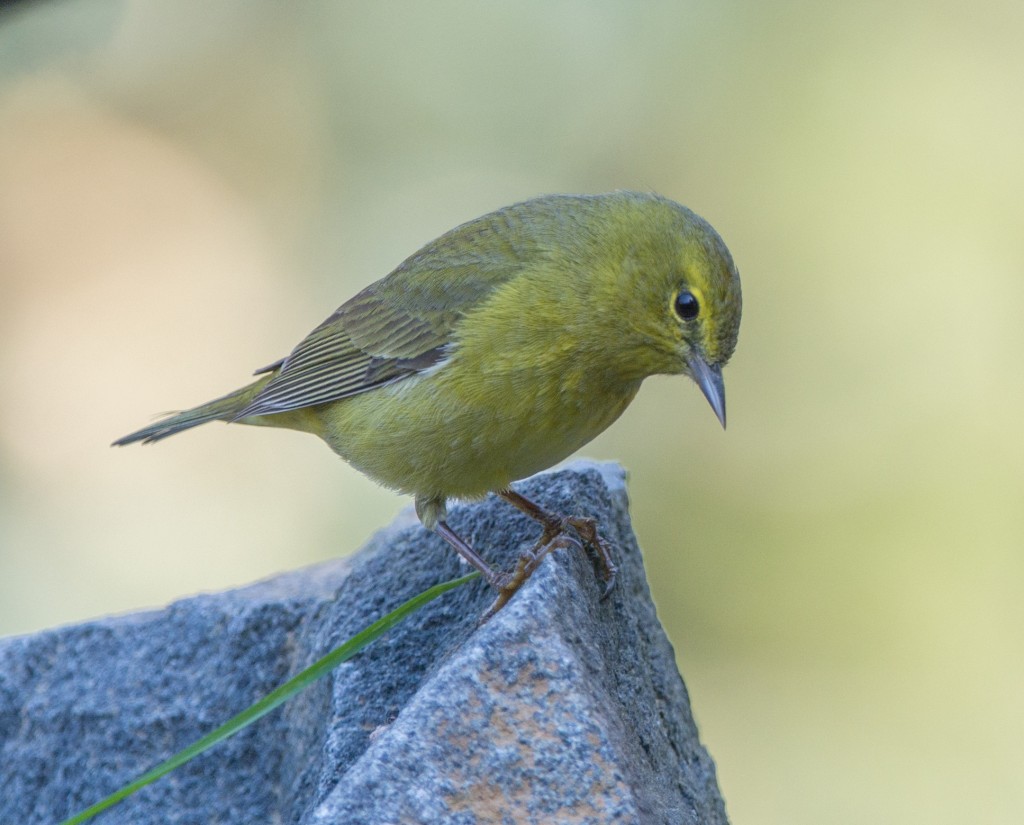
(404, 323)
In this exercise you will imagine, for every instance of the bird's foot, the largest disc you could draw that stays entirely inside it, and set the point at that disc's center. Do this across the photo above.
(508, 583)
(557, 532)
(586, 528)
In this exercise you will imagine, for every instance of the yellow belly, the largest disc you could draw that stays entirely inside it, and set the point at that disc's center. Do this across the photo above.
(457, 433)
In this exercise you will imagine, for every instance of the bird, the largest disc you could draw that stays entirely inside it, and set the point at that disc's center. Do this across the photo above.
(498, 350)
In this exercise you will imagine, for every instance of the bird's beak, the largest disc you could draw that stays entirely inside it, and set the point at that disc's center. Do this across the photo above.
(709, 379)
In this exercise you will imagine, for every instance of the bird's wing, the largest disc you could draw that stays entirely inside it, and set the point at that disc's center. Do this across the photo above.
(328, 365)
(402, 324)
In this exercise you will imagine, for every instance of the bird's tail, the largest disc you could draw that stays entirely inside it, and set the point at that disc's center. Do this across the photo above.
(225, 408)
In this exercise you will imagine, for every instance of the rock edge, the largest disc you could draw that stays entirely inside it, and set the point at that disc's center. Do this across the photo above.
(562, 708)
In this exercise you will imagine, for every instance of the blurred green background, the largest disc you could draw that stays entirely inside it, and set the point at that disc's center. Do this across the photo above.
(187, 188)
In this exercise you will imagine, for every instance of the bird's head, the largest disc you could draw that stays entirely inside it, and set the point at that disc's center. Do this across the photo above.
(685, 300)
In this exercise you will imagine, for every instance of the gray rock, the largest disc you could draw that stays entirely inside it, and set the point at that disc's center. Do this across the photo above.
(562, 708)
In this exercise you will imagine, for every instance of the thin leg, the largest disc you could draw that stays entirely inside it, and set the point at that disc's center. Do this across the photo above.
(554, 536)
(505, 583)
(555, 526)
(469, 554)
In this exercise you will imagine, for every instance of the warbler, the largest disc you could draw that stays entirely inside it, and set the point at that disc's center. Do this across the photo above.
(499, 349)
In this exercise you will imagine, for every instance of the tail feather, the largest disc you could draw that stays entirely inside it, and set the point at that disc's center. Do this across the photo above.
(225, 408)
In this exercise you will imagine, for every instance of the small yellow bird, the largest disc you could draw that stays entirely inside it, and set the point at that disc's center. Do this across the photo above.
(498, 350)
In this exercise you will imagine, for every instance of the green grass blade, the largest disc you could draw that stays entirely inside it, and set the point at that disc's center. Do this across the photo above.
(275, 697)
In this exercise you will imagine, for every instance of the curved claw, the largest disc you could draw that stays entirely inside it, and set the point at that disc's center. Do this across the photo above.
(553, 537)
(508, 583)
(587, 529)
(609, 582)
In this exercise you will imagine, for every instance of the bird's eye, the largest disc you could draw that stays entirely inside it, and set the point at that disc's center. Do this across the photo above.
(687, 306)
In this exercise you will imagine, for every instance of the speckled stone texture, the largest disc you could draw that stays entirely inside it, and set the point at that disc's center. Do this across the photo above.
(562, 709)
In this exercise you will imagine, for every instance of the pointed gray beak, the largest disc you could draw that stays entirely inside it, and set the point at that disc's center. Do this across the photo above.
(709, 379)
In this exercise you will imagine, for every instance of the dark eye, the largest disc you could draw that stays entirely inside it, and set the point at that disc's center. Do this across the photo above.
(687, 307)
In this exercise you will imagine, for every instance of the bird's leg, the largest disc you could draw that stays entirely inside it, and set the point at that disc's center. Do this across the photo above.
(505, 583)
(554, 535)
(470, 555)
(433, 514)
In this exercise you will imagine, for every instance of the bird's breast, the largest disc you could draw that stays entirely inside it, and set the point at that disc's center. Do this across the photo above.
(471, 427)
